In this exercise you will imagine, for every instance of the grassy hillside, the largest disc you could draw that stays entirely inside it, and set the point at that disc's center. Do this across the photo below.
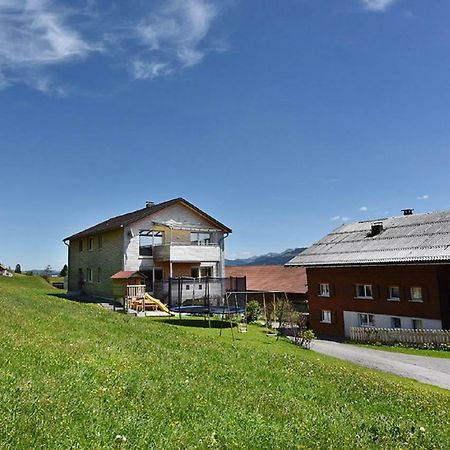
(74, 376)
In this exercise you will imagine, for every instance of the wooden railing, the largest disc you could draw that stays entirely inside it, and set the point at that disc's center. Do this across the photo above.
(399, 335)
(135, 290)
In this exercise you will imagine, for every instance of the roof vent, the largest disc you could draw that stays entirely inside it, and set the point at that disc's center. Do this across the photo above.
(376, 229)
(407, 212)
(149, 203)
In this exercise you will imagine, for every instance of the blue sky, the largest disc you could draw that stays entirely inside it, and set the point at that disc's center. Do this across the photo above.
(281, 119)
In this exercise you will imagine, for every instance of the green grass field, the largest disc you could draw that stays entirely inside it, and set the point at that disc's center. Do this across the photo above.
(74, 376)
(407, 350)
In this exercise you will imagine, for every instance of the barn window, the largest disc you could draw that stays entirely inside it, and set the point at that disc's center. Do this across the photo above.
(394, 293)
(416, 294)
(325, 316)
(364, 291)
(324, 290)
(366, 320)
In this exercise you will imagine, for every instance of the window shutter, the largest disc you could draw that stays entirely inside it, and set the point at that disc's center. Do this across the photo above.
(407, 291)
(332, 290)
(318, 289)
(376, 290)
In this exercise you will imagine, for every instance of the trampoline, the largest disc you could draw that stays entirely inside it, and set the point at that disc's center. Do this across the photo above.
(214, 310)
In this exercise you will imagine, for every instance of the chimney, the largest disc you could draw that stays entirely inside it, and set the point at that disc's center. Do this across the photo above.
(407, 212)
(149, 203)
(377, 228)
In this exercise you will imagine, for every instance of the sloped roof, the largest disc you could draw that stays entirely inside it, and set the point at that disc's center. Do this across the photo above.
(126, 219)
(271, 278)
(404, 239)
(125, 274)
(2, 267)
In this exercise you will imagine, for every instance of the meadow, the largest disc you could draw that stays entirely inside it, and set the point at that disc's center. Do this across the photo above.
(73, 375)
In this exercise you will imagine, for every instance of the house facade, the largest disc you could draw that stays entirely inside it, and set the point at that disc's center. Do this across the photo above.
(160, 241)
(391, 273)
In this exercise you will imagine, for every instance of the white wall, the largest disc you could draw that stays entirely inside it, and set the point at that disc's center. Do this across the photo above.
(351, 319)
(178, 213)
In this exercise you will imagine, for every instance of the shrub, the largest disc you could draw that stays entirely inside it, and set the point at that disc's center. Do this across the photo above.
(253, 311)
(307, 336)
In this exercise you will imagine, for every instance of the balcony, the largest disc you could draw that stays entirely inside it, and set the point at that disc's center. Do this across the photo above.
(186, 252)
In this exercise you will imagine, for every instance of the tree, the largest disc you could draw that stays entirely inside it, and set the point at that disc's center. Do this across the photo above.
(63, 272)
(18, 269)
(47, 272)
(253, 311)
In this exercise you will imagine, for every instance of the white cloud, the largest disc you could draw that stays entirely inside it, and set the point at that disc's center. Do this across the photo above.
(364, 208)
(34, 34)
(149, 69)
(174, 37)
(423, 197)
(345, 219)
(377, 5)
(334, 218)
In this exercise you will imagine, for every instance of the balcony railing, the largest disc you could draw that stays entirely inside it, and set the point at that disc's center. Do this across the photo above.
(135, 290)
(181, 251)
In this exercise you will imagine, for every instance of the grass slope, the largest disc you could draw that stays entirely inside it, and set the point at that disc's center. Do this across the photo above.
(74, 376)
(407, 350)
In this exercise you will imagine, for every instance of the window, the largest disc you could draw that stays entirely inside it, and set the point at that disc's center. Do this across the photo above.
(148, 240)
(325, 316)
(394, 293)
(324, 290)
(396, 322)
(364, 291)
(200, 287)
(80, 245)
(201, 272)
(416, 294)
(99, 275)
(198, 238)
(366, 320)
(417, 324)
(89, 275)
(100, 241)
(188, 287)
(91, 244)
(152, 277)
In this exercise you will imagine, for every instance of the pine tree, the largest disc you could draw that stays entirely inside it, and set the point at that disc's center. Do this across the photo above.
(63, 272)
(18, 269)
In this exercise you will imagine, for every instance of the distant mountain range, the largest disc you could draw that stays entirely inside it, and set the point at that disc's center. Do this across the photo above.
(269, 259)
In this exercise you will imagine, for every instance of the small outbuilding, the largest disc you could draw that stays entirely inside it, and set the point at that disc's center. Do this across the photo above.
(128, 284)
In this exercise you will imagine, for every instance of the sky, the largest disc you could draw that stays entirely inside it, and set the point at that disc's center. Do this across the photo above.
(281, 119)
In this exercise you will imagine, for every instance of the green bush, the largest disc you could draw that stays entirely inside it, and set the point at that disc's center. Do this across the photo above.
(307, 336)
(253, 311)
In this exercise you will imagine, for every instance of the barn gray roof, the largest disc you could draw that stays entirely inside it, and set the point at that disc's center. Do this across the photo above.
(404, 239)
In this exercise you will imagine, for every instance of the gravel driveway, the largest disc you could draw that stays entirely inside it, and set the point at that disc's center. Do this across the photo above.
(422, 368)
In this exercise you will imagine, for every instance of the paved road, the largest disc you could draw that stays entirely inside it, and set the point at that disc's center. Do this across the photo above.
(422, 368)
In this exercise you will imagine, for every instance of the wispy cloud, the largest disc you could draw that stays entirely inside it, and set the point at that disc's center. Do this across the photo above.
(34, 34)
(377, 5)
(364, 209)
(174, 37)
(340, 218)
(423, 197)
(154, 41)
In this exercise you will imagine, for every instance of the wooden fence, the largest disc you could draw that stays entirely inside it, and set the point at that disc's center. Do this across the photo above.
(399, 335)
